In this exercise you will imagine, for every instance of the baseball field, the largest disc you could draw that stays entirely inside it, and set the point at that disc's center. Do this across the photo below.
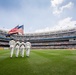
(40, 62)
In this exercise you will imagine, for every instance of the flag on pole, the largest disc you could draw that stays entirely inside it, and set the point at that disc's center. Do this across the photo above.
(17, 30)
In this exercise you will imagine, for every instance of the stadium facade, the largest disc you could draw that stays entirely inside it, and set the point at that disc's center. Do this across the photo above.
(65, 39)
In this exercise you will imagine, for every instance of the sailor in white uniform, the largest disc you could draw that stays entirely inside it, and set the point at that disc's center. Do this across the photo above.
(27, 46)
(12, 44)
(22, 48)
(17, 45)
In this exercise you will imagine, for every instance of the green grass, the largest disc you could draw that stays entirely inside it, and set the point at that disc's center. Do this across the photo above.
(40, 62)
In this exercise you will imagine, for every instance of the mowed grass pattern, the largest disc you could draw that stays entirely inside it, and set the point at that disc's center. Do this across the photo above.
(40, 62)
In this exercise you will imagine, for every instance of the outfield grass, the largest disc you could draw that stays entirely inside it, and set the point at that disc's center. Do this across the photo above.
(40, 62)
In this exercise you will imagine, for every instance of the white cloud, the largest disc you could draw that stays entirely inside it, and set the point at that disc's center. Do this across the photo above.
(69, 5)
(59, 9)
(66, 23)
(55, 3)
(63, 24)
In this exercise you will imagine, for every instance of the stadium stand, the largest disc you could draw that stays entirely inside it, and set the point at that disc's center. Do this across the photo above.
(56, 40)
(3, 39)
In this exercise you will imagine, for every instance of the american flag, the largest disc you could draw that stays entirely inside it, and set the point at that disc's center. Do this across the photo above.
(17, 30)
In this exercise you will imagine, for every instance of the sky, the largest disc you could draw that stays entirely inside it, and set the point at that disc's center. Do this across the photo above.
(38, 15)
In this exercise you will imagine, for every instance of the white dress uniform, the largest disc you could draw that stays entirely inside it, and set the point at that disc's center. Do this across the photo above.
(27, 46)
(12, 44)
(22, 48)
(17, 45)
